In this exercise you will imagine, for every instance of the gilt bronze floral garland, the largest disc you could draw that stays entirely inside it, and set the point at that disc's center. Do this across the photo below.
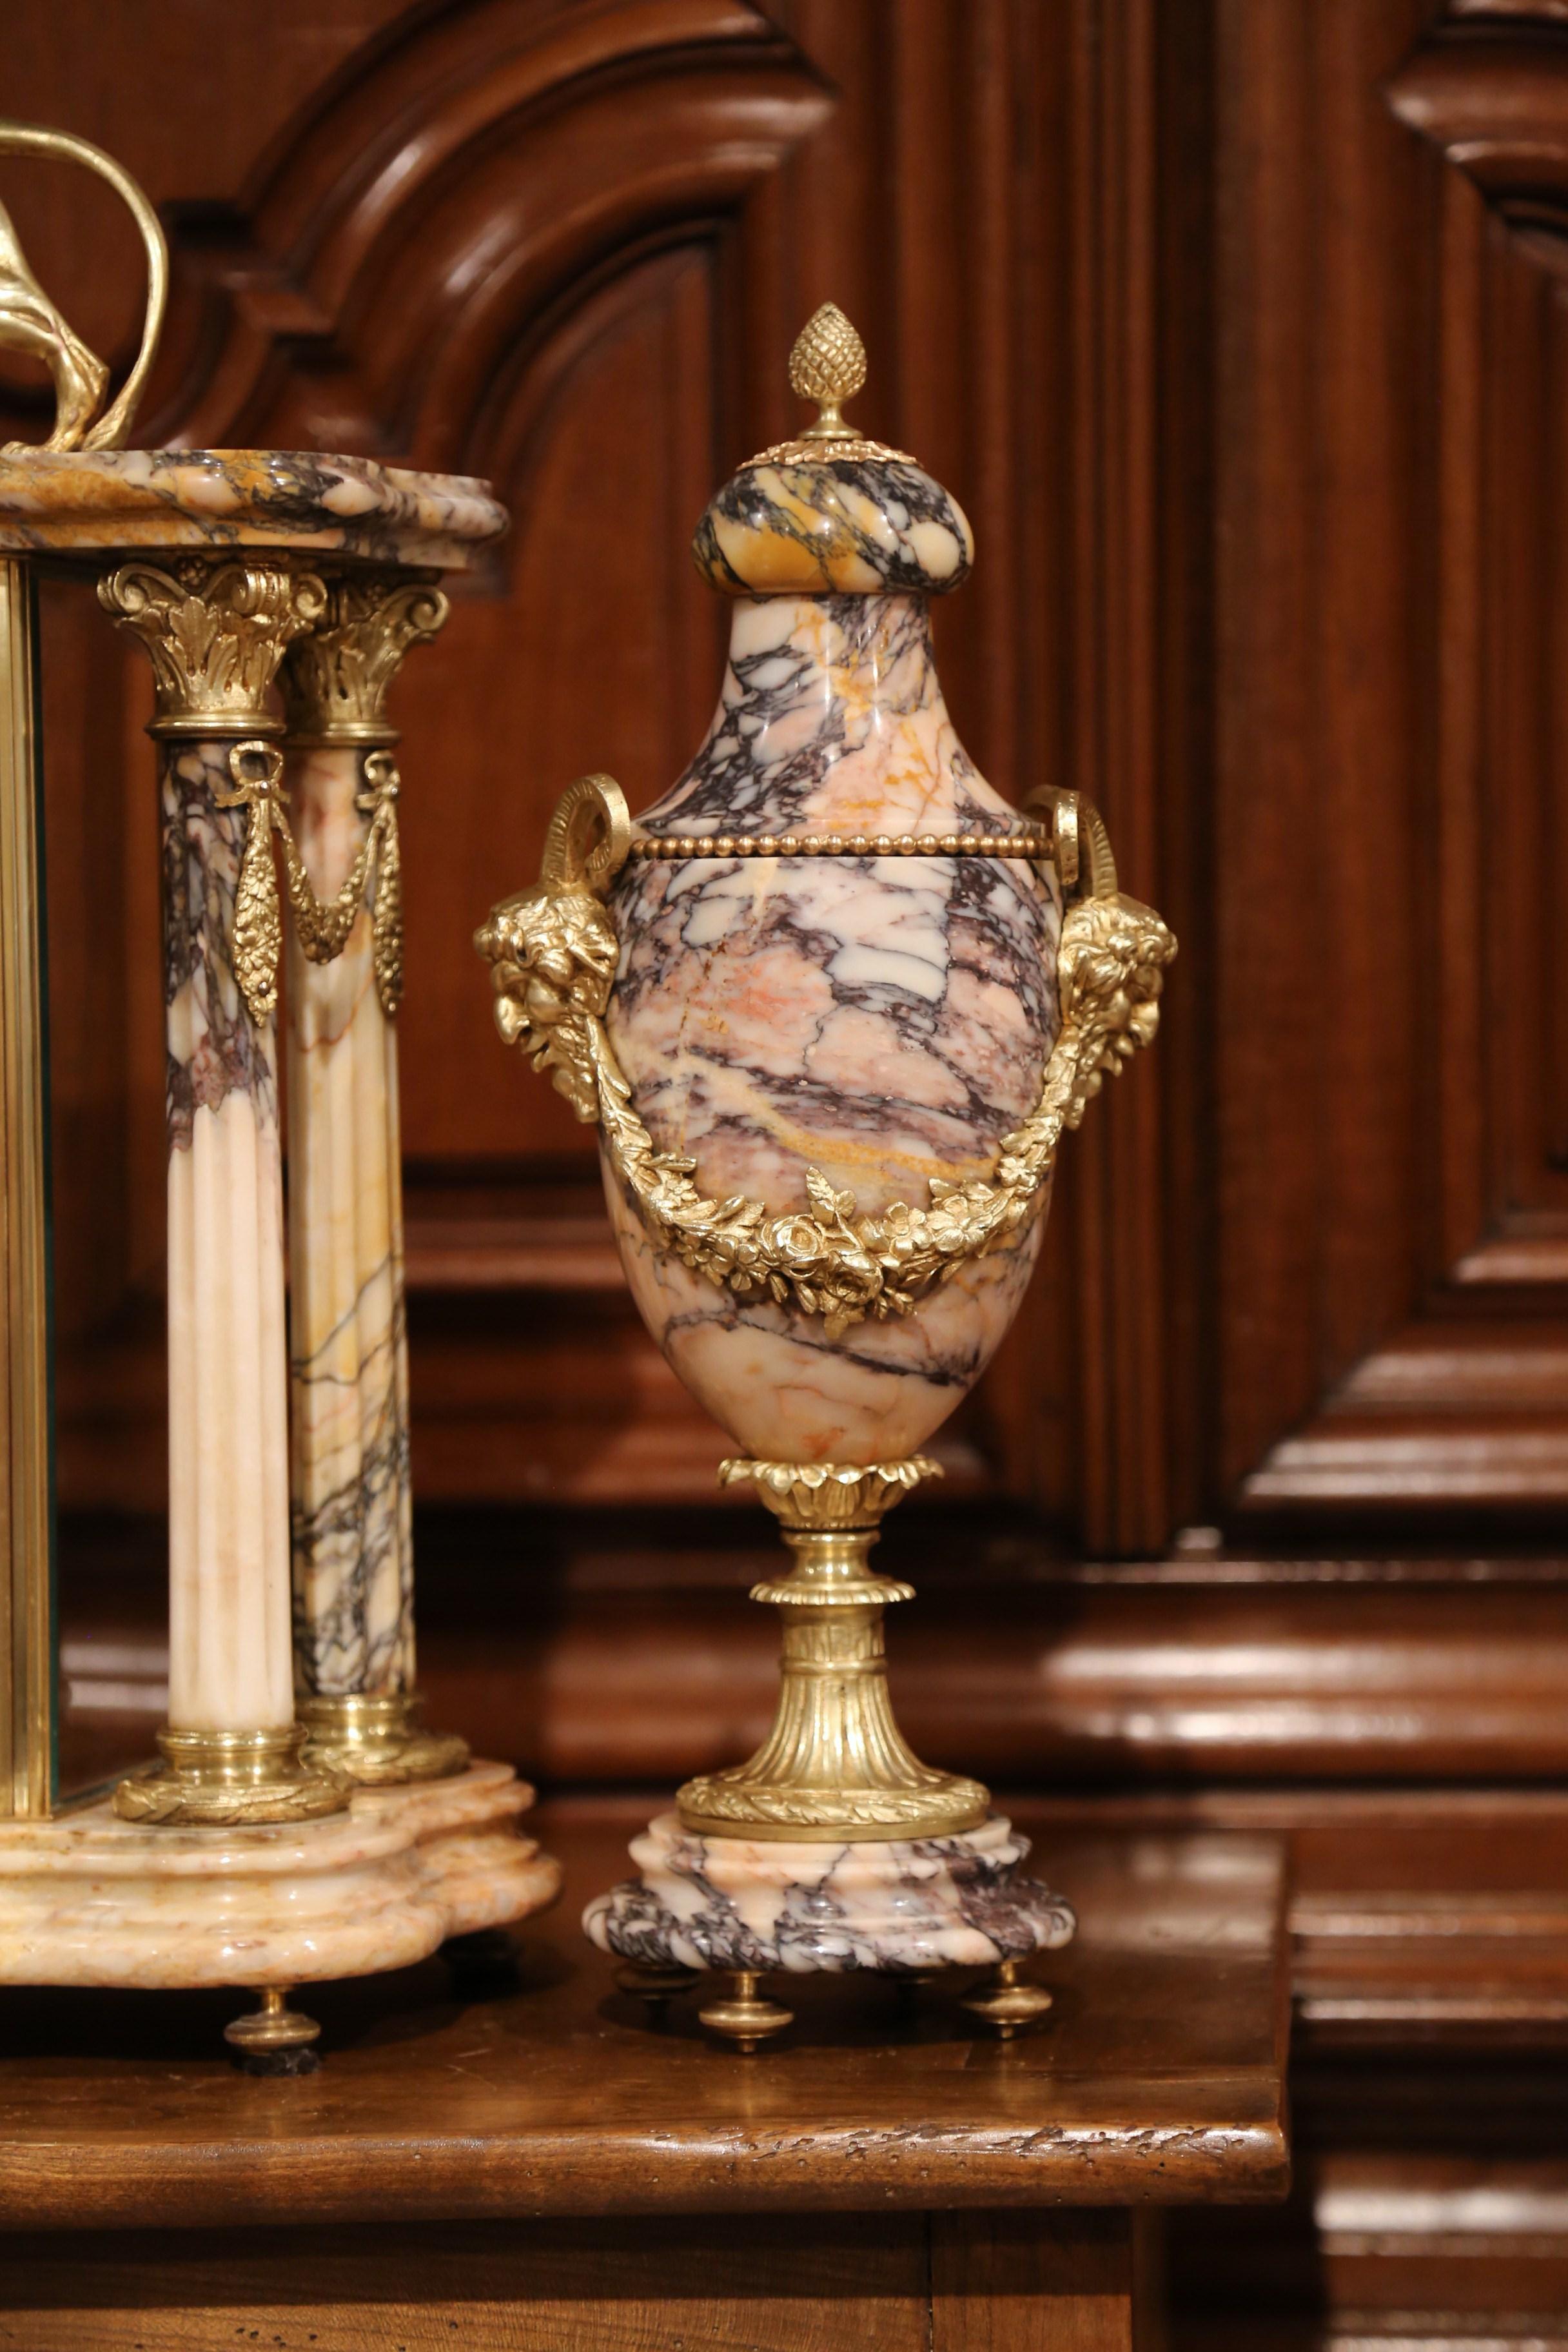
(323, 925)
(553, 952)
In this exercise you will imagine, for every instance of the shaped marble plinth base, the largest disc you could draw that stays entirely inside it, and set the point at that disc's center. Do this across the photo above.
(92, 1900)
(751, 1908)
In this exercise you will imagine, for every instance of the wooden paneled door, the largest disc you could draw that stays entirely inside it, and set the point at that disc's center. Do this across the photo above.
(1390, 762)
(566, 246)
(1240, 329)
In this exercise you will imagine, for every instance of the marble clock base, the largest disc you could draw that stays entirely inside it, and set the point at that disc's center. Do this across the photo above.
(88, 1899)
(753, 1908)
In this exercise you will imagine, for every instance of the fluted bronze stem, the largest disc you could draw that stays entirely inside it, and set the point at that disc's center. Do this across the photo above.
(835, 1764)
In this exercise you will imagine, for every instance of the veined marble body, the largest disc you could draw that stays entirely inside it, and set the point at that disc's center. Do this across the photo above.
(886, 1020)
(753, 1903)
(351, 1525)
(229, 1605)
(230, 1667)
(109, 498)
(91, 1900)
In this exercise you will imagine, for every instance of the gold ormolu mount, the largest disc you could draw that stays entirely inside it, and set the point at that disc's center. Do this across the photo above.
(376, 1739)
(835, 1766)
(827, 365)
(554, 951)
(272, 2038)
(230, 1779)
(30, 322)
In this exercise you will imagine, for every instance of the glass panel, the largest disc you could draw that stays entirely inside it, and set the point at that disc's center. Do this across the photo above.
(27, 1688)
(105, 1030)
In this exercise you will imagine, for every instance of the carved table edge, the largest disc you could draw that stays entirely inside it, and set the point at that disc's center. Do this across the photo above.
(370, 2179)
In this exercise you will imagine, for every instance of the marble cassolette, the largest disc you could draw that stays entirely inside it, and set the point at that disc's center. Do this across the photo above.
(885, 1019)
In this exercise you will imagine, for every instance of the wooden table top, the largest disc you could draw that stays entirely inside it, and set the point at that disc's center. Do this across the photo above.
(1159, 2076)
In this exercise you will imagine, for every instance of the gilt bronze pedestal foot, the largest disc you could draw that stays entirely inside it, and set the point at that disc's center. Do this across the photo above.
(1006, 2004)
(272, 2038)
(742, 2015)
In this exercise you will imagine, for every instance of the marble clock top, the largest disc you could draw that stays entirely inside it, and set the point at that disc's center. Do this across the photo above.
(81, 500)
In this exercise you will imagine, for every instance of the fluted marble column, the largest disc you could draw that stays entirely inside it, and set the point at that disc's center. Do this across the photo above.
(351, 1517)
(215, 628)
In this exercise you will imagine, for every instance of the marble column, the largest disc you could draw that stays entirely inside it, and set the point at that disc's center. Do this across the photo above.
(350, 1514)
(215, 628)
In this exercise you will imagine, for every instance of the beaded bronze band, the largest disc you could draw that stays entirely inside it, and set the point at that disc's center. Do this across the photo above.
(852, 845)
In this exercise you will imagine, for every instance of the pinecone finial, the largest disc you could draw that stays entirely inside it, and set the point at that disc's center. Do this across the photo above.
(827, 365)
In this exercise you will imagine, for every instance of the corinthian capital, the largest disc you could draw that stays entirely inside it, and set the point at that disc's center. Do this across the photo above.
(216, 630)
(335, 680)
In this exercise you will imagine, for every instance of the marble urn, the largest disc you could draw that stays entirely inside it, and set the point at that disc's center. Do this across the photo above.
(832, 1001)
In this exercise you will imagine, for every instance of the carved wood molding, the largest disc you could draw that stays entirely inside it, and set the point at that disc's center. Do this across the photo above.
(479, 173)
(1491, 88)
(1128, 1438)
(1460, 1401)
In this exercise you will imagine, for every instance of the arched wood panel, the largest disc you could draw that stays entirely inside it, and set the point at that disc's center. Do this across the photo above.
(566, 246)
(1393, 1254)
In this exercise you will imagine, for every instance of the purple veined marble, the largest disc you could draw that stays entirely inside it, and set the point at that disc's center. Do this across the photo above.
(885, 1019)
(352, 1505)
(908, 1905)
(231, 1658)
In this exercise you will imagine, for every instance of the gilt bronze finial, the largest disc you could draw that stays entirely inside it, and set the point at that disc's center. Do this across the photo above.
(827, 365)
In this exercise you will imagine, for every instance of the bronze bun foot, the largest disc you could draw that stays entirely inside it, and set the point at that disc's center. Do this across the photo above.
(272, 2038)
(741, 2016)
(1006, 2004)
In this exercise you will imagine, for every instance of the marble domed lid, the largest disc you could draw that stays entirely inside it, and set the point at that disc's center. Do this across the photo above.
(831, 513)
